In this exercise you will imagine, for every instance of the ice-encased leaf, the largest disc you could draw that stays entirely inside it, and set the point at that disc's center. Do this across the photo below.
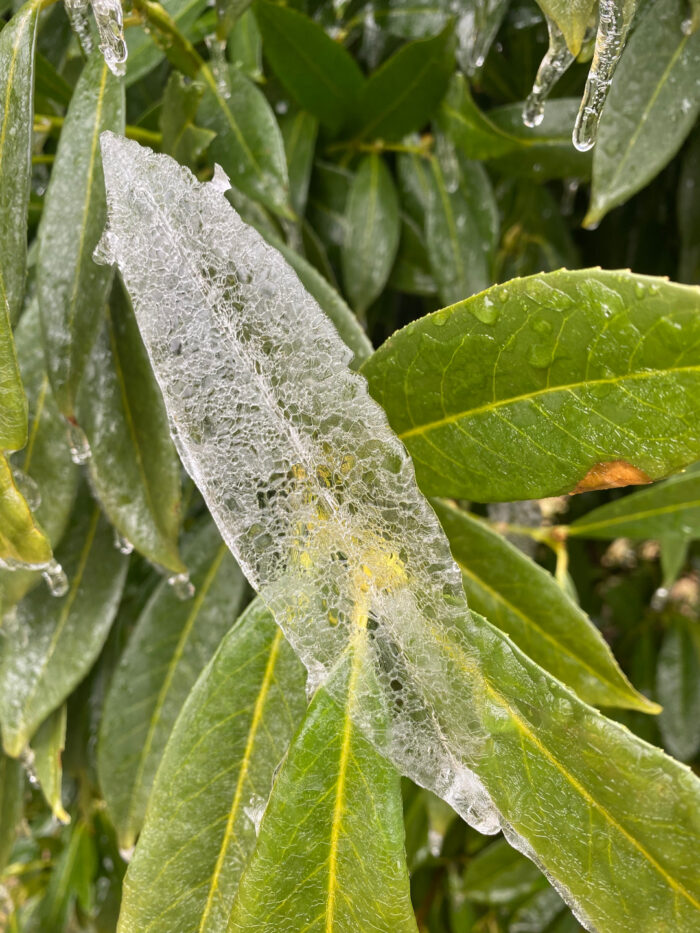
(317, 499)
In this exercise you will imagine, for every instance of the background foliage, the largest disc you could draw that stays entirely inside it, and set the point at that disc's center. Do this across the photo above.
(380, 146)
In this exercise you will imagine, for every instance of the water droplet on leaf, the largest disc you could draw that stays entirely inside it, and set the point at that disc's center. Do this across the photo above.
(56, 578)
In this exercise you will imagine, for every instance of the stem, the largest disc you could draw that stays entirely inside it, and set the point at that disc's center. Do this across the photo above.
(43, 122)
(174, 44)
(422, 148)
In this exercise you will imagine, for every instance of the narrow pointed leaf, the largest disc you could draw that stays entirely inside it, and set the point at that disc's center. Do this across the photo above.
(527, 603)
(71, 287)
(668, 509)
(299, 131)
(13, 404)
(11, 804)
(47, 747)
(134, 468)
(17, 41)
(248, 144)
(319, 73)
(216, 774)
(51, 643)
(46, 458)
(319, 502)
(402, 95)
(22, 540)
(560, 382)
(330, 852)
(181, 138)
(372, 224)
(678, 689)
(244, 47)
(573, 17)
(652, 106)
(172, 641)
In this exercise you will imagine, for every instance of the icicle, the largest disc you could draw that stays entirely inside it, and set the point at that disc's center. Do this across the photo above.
(77, 11)
(613, 26)
(122, 543)
(56, 578)
(555, 62)
(108, 16)
(80, 451)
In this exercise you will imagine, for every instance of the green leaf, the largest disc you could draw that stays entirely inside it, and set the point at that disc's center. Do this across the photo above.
(144, 53)
(457, 249)
(670, 509)
(499, 874)
(216, 772)
(51, 643)
(402, 95)
(248, 144)
(372, 238)
(172, 641)
(71, 287)
(244, 48)
(11, 804)
(527, 603)
(688, 211)
(46, 459)
(75, 864)
(134, 468)
(47, 747)
(540, 152)
(678, 689)
(330, 852)
(17, 41)
(573, 17)
(411, 272)
(543, 910)
(513, 394)
(319, 73)
(227, 13)
(652, 106)
(22, 540)
(299, 131)
(13, 404)
(181, 138)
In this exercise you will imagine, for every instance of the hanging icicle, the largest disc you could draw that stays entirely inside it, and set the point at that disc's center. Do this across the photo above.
(110, 28)
(555, 62)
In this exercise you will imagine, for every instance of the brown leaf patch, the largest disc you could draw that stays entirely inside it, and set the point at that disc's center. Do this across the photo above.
(610, 475)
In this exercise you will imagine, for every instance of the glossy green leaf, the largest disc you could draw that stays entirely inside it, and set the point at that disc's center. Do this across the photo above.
(329, 854)
(540, 152)
(457, 249)
(22, 540)
(13, 404)
(513, 394)
(46, 458)
(227, 13)
(216, 774)
(144, 51)
(11, 804)
(527, 603)
(244, 48)
(372, 238)
(299, 131)
(134, 468)
(47, 747)
(573, 17)
(248, 144)
(17, 41)
(181, 138)
(51, 643)
(71, 287)
(652, 106)
(669, 509)
(403, 94)
(172, 641)
(498, 874)
(319, 73)
(678, 689)
(411, 272)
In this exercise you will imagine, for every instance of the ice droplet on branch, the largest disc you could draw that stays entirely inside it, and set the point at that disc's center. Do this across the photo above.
(110, 28)
(77, 12)
(555, 62)
(614, 21)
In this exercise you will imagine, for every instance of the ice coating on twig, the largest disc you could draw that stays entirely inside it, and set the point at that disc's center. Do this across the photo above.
(110, 28)
(311, 490)
(614, 21)
(77, 12)
(555, 62)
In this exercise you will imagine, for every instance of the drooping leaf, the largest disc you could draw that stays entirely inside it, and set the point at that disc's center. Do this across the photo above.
(71, 287)
(22, 540)
(215, 776)
(527, 603)
(548, 384)
(46, 458)
(404, 93)
(47, 747)
(134, 468)
(181, 138)
(145, 52)
(17, 41)
(11, 804)
(248, 144)
(172, 641)
(372, 225)
(50, 643)
(669, 509)
(652, 106)
(329, 854)
(320, 504)
(573, 17)
(244, 47)
(319, 73)
(678, 689)
(299, 130)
